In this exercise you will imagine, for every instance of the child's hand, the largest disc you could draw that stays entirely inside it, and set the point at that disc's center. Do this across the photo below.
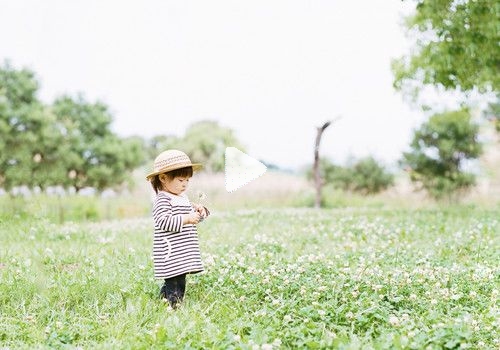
(201, 210)
(191, 218)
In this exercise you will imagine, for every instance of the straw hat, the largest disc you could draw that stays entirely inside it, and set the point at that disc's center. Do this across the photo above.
(171, 160)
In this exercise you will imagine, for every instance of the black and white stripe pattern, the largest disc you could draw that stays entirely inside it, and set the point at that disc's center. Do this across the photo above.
(176, 249)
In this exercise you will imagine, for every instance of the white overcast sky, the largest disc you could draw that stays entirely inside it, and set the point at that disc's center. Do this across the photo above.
(271, 70)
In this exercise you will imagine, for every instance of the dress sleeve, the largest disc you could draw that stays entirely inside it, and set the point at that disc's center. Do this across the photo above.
(163, 215)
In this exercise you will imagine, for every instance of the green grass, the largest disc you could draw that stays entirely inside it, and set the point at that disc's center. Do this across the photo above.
(284, 278)
(75, 207)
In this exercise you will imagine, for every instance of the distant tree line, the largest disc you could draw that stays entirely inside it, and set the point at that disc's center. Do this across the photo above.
(204, 141)
(70, 144)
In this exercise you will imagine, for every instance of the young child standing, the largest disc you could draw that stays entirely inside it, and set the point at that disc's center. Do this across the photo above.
(176, 251)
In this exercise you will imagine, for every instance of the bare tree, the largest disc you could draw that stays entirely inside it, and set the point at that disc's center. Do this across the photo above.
(318, 181)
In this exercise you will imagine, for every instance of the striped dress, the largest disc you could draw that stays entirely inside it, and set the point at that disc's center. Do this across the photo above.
(176, 249)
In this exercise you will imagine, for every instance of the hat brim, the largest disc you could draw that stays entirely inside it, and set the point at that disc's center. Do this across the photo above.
(195, 166)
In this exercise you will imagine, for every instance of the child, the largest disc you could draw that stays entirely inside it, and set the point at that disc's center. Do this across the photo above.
(176, 251)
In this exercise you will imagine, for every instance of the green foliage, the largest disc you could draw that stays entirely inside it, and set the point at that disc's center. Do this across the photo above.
(492, 113)
(73, 208)
(69, 143)
(204, 141)
(94, 152)
(456, 47)
(439, 150)
(160, 143)
(19, 87)
(289, 279)
(370, 177)
(30, 146)
(365, 176)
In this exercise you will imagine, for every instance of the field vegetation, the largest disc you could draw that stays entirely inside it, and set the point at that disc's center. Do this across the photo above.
(359, 274)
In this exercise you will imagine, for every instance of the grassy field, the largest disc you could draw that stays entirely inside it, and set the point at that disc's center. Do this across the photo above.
(274, 279)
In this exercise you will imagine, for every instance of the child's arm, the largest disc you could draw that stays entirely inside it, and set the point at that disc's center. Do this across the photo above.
(191, 218)
(165, 220)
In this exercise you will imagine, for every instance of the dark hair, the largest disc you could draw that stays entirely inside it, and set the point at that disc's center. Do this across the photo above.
(182, 172)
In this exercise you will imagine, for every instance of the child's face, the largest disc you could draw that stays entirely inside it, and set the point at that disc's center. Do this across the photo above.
(176, 186)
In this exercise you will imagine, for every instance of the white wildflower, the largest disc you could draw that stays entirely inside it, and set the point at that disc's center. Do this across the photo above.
(393, 320)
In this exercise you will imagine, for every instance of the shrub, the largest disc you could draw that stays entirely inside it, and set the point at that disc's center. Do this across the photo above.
(439, 150)
(365, 176)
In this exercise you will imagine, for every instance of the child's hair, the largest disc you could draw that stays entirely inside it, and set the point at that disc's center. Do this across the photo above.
(182, 172)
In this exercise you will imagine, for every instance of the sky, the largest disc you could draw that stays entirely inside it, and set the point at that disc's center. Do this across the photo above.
(272, 71)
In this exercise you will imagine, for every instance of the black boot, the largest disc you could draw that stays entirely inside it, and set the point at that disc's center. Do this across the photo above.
(173, 290)
(163, 291)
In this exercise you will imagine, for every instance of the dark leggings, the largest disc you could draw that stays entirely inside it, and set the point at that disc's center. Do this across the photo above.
(173, 289)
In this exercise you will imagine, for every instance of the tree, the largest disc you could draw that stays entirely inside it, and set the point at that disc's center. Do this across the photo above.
(68, 144)
(492, 113)
(369, 177)
(330, 173)
(96, 157)
(364, 176)
(112, 161)
(439, 151)
(17, 96)
(160, 143)
(206, 141)
(47, 147)
(18, 87)
(318, 181)
(30, 146)
(456, 48)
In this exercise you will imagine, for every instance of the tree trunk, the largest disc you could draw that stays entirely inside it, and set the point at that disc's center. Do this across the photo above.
(318, 181)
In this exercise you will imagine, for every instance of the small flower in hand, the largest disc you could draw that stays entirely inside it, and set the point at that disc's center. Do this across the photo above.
(202, 210)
